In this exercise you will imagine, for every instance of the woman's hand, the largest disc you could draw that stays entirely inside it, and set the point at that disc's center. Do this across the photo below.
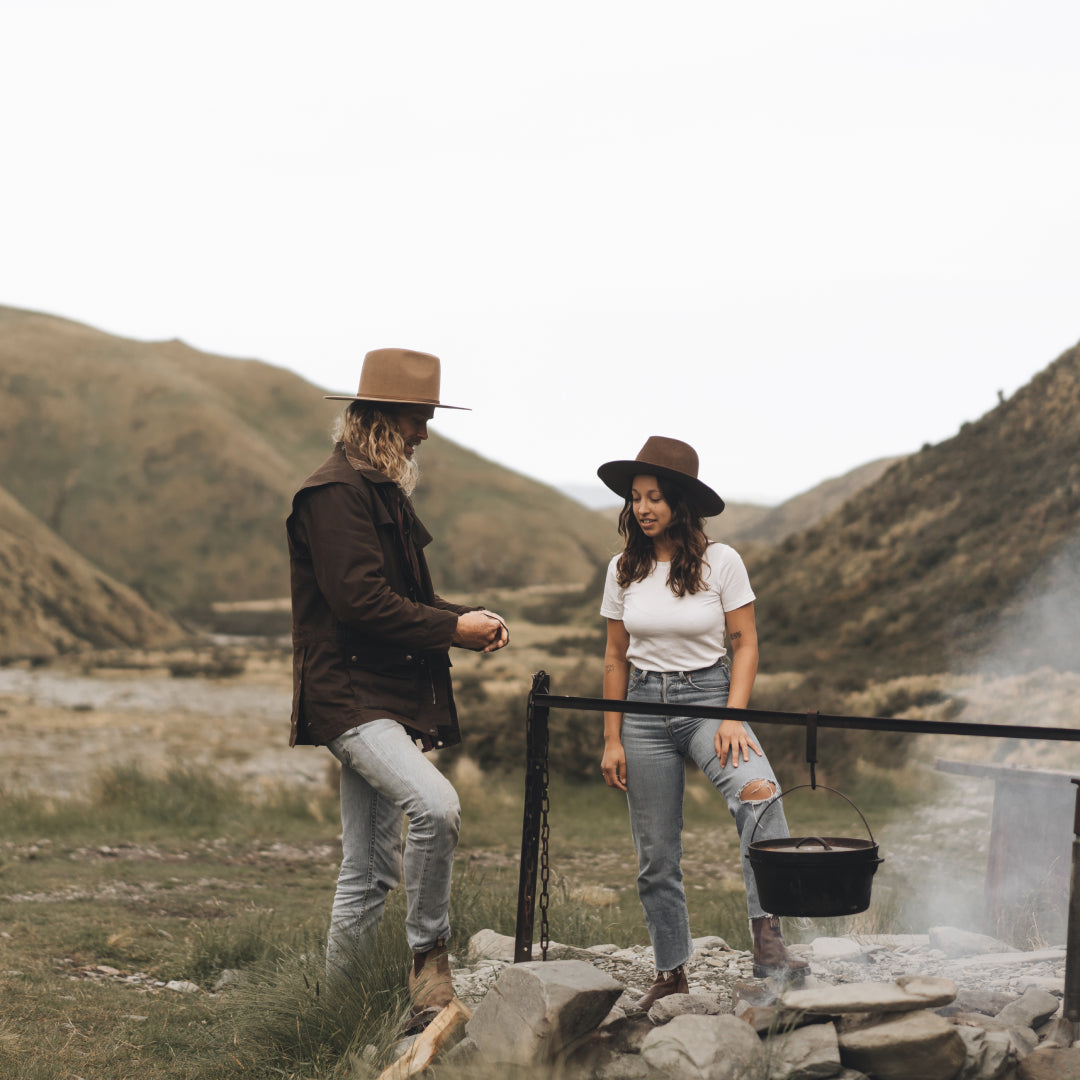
(732, 739)
(613, 764)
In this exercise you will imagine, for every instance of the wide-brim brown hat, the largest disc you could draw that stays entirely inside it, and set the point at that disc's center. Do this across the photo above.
(398, 377)
(667, 459)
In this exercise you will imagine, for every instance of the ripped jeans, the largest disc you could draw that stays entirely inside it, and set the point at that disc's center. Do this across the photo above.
(384, 777)
(656, 751)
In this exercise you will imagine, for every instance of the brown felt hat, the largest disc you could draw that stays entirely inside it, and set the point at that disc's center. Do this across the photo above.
(398, 377)
(668, 459)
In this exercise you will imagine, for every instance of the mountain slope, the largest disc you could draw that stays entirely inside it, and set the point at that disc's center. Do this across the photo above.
(53, 601)
(926, 567)
(173, 469)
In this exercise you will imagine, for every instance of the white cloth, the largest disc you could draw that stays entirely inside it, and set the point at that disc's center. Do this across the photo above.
(678, 633)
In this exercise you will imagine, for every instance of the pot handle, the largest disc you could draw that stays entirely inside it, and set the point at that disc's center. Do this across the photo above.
(819, 839)
(776, 798)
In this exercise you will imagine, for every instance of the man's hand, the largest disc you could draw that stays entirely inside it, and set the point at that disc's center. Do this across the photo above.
(480, 631)
(504, 637)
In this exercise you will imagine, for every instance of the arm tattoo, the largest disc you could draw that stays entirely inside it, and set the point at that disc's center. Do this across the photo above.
(736, 635)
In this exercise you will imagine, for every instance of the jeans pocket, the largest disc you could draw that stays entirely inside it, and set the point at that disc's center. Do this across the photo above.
(711, 681)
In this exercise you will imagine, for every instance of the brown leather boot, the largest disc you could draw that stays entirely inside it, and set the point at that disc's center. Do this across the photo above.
(430, 985)
(664, 985)
(770, 954)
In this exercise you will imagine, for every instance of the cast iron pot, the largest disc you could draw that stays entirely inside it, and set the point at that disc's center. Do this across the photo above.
(814, 875)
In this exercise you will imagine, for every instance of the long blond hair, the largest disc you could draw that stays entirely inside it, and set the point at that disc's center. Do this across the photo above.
(369, 433)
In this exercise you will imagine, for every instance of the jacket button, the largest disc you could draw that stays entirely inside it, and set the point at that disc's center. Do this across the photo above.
(352, 659)
(408, 657)
(438, 742)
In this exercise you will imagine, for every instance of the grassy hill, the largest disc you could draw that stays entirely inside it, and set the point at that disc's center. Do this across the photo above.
(953, 550)
(172, 469)
(53, 601)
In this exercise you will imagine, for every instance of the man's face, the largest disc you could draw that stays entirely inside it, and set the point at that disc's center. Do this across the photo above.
(412, 421)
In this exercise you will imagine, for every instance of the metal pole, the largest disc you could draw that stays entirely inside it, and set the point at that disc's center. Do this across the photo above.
(1071, 1007)
(536, 737)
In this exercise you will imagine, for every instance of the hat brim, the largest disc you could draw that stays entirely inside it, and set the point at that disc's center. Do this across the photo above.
(619, 476)
(394, 401)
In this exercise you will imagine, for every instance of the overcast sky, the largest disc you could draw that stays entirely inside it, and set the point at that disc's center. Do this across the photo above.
(800, 235)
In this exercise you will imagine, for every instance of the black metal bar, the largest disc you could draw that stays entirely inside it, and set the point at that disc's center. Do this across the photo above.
(811, 747)
(764, 716)
(1071, 1004)
(536, 737)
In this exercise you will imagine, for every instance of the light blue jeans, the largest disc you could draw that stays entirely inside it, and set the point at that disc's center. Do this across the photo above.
(656, 751)
(384, 777)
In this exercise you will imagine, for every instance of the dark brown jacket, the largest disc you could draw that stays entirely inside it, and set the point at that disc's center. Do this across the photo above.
(370, 637)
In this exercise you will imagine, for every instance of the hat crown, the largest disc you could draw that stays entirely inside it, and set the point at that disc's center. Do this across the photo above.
(400, 375)
(672, 454)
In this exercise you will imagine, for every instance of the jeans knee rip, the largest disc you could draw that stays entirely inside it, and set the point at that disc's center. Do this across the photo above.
(755, 797)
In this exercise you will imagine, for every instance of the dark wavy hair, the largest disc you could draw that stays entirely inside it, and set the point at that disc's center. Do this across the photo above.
(687, 533)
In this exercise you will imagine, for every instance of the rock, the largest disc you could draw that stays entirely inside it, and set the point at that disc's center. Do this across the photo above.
(1060, 1033)
(703, 1048)
(684, 1005)
(710, 941)
(488, 945)
(804, 1054)
(955, 942)
(463, 1052)
(1050, 1065)
(182, 986)
(905, 995)
(833, 948)
(913, 1046)
(990, 1002)
(990, 1055)
(538, 1011)
(1032, 1008)
(230, 977)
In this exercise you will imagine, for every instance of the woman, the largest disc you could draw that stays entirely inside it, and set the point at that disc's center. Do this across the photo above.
(669, 600)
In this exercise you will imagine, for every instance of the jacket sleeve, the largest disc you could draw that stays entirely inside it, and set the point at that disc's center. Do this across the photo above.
(338, 523)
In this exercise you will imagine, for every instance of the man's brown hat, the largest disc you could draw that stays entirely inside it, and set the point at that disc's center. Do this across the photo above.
(667, 459)
(398, 377)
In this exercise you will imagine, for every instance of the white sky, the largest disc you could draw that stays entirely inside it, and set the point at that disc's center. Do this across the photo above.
(799, 234)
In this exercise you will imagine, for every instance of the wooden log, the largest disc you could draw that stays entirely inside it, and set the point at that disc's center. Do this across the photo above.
(447, 1024)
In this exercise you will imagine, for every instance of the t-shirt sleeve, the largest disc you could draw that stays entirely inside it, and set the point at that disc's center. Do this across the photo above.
(612, 605)
(729, 577)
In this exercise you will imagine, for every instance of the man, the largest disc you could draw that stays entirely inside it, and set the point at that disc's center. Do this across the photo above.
(371, 670)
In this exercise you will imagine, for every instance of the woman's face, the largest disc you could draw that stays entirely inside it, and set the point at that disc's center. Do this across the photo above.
(650, 507)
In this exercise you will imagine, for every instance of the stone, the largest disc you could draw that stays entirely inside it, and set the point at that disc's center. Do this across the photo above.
(703, 1048)
(1014, 959)
(1060, 1033)
(989, 1055)
(488, 945)
(834, 948)
(990, 1002)
(804, 1054)
(710, 941)
(907, 994)
(684, 1005)
(230, 977)
(1050, 1065)
(912, 1046)
(538, 1011)
(1032, 1008)
(953, 941)
(182, 986)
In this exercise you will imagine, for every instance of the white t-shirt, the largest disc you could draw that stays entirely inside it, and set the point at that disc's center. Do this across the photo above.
(678, 633)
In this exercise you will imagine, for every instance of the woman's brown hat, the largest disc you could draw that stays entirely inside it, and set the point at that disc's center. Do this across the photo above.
(398, 377)
(668, 459)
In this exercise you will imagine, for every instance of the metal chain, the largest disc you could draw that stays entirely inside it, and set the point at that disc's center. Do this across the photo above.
(545, 832)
